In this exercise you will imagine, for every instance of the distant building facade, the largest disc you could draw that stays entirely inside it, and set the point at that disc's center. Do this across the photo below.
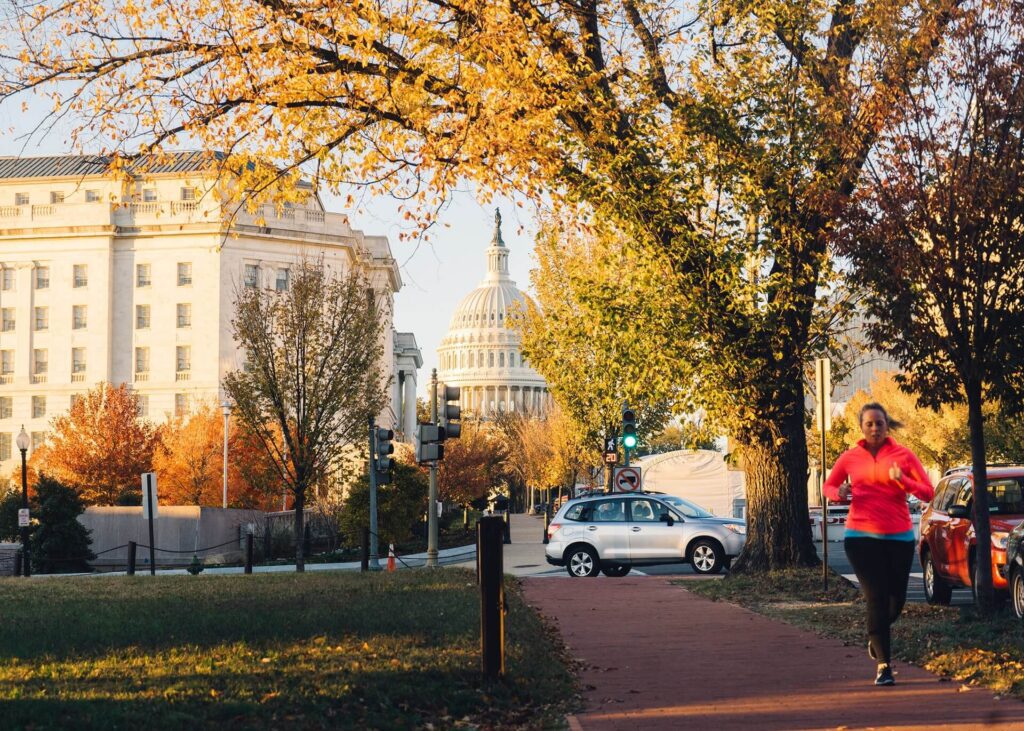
(135, 282)
(482, 355)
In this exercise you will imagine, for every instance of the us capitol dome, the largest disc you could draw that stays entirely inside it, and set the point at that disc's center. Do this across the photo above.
(482, 355)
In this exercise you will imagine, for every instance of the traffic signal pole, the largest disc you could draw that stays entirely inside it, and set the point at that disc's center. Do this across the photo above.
(374, 563)
(432, 499)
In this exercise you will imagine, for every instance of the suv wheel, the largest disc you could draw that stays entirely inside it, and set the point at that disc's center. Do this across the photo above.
(707, 557)
(582, 561)
(616, 571)
(1017, 591)
(936, 591)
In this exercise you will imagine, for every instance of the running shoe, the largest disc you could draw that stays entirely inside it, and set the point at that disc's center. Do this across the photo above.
(884, 676)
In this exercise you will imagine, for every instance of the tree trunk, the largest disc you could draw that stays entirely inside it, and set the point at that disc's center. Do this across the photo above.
(775, 471)
(299, 504)
(984, 595)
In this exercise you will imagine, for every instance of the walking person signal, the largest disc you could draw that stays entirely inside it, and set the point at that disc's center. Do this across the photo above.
(879, 533)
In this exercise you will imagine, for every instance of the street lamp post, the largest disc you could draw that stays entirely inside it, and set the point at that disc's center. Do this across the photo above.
(23, 442)
(226, 406)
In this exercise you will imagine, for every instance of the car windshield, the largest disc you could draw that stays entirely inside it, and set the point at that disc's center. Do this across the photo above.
(1005, 497)
(688, 509)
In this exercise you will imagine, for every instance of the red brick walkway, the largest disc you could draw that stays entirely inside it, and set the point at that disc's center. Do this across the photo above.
(656, 656)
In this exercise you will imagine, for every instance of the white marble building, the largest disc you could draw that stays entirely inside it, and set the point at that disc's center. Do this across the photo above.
(482, 355)
(135, 283)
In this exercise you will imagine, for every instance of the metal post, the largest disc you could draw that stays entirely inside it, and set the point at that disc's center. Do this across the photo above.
(432, 500)
(152, 547)
(547, 515)
(372, 476)
(132, 546)
(248, 552)
(492, 596)
(364, 554)
(267, 540)
(823, 385)
(227, 414)
(26, 563)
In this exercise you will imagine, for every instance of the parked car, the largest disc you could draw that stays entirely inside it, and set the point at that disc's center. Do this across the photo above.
(613, 533)
(947, 547)
(1014, 568)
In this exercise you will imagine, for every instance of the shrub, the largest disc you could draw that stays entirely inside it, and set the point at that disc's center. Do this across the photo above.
(400, 506)
(59, 542)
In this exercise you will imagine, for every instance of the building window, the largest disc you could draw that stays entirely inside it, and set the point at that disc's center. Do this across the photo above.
(75, 399)
(81, 275)
(38, 439)
(5, 446)
(180, 404)
(142, 405)
(42, 318)
(40, 361)
(141, 317)
(149, 195)
(143, 276)
(511, 360)
(6, 407)
(184, 315)
(490, 360)
(8, 280)
(471, 361)
(142, 360)
(184, 273)
(79, 319)
(92, 196)
(78, 360)
(42, 277)
(252, 275)
(183, 358)
(38, 407)
(282, 280)
(21, 199)
(6, 362)
(501, 360)
(56, 196)
(188, 194)
(7, 318)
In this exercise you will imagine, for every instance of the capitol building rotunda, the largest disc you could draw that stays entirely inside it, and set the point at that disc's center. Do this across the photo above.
(483, 355)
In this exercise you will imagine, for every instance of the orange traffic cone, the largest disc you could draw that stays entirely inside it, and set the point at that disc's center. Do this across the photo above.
(391, 557)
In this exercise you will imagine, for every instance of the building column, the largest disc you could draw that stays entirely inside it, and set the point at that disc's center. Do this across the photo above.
(409, 406)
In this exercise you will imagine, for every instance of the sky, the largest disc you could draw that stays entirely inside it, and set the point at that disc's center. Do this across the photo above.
(436, 273)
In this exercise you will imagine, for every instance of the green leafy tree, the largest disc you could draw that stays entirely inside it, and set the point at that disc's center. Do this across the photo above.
(719, 137)
(401, 504)
(938, 244)
(313, 375)
(10, 503)
(60, 544)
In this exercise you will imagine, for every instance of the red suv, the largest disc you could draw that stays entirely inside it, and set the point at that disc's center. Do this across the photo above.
(947, 530)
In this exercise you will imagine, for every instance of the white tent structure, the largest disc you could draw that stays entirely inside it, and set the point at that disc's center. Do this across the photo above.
(701, 476)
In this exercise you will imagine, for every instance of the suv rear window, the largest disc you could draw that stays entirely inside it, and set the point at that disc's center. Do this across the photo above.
(1005, 497)
(580, 512)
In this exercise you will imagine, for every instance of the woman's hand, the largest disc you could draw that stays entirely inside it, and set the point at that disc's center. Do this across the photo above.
(895, 473)
(845, 491)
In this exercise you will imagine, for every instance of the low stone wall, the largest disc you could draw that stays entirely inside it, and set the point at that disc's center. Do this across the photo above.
(8, 553)
(181, 531)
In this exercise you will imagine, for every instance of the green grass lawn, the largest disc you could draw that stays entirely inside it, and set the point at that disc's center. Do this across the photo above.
(950, 641)
(318, 650)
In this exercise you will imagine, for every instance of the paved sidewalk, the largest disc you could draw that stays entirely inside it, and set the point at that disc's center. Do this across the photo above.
(655, 656)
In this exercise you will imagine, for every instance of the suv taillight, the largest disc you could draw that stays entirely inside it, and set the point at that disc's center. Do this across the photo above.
(552, 528)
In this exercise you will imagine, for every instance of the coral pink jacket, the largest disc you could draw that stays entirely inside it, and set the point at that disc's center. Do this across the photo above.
(879, 503)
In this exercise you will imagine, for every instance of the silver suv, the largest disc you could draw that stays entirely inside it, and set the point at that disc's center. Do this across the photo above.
(613, 533)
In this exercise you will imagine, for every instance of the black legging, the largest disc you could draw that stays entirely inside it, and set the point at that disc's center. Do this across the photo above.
(882, 568)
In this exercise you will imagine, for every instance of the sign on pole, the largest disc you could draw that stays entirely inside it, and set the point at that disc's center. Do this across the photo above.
(23, 518)
(146, 489)
(626, 479)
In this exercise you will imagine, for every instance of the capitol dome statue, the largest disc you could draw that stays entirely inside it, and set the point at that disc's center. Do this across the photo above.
(482, 355)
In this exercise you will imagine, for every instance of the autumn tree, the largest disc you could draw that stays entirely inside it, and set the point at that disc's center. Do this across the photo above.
(100, 447)
(721, 136)
(190, 462)
(938, 244)
(471, 466)
(313, 374)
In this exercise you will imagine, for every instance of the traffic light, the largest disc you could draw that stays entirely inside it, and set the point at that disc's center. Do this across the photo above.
(431, 447)
(451, 413)
(629, 428)
(384, 449)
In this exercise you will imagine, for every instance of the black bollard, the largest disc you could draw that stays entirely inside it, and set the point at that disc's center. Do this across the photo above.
(492, 596)
(17, 564)
(364, 555)
(506, 536)
(248, 552)
(132, 545)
